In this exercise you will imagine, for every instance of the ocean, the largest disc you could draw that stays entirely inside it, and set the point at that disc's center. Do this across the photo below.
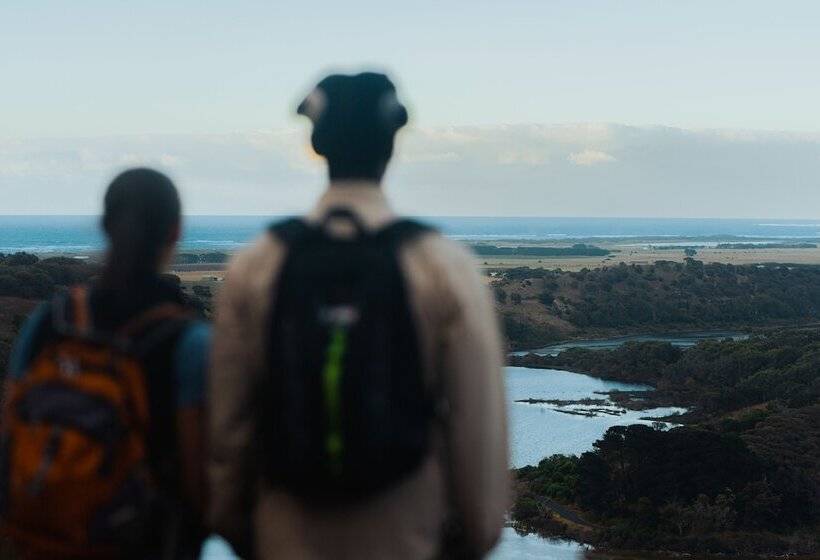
(79, 234)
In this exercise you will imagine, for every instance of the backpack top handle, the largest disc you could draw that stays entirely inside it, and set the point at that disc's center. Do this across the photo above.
(345, 213)
(293, 231)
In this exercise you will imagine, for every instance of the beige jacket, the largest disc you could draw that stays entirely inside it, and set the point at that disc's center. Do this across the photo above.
(459, 335)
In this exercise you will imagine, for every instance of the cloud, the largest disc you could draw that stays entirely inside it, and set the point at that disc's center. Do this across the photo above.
(430, 157)
(590, 157)
(550, 170)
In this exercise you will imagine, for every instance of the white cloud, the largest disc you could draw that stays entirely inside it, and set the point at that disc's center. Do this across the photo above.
(471, 170)
(169, 160)
(590, 157)
(523, 156)
(429, 157)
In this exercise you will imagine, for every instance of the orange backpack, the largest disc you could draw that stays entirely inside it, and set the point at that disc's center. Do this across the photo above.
(75, 481)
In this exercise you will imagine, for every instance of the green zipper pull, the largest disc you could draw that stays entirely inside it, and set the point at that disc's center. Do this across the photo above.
(332, 376)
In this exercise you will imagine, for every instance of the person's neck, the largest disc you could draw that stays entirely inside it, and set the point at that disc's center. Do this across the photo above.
(356, 173)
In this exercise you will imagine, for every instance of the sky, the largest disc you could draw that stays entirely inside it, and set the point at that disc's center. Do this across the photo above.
(605, 108)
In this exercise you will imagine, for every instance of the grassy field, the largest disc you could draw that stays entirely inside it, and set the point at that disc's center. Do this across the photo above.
(631, 252)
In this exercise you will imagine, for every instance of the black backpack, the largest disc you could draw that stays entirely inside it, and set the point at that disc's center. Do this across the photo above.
(345, 408)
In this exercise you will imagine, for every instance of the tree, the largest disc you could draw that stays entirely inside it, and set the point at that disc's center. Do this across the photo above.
(20, 259)
(202, 291)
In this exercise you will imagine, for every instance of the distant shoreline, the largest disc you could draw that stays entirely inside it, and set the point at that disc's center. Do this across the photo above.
(634, 251)
(80, 234)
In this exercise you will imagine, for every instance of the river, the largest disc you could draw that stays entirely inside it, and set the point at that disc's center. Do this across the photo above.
(539, 430)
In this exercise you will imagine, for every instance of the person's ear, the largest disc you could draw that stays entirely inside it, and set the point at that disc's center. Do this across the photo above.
(313, 105)
(393, 114)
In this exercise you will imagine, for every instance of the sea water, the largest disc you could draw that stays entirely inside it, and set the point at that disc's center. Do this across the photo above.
(67, 234)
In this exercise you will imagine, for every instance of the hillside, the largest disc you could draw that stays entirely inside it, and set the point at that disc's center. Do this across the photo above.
(754, 403)
(26, 280)
(741, 476)
(541, 306)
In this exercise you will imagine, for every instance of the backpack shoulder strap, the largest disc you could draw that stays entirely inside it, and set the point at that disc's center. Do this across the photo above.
(164, 311)
(153, 326)
(290, 230)
(401, 231)
(394, 235)
(81, 308)
(71, 312)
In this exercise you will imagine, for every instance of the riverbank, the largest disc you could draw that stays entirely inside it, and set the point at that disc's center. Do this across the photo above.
(549, 357)
(556, 522)
(742, 476)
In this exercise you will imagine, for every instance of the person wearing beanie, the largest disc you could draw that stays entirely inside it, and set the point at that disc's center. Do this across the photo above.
(357, 407)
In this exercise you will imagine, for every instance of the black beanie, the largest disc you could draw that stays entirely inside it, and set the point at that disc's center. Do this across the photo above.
(354, 118)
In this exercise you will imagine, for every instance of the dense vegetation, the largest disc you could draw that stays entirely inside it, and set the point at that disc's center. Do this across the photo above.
(576, 250)
(714, 376)
(27, 276)
(547, 305)
(26, 279)
(638, 362)
(213, 257)
(744, 476)
(686, 489)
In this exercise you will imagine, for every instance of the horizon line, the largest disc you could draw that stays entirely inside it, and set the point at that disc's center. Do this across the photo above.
(444, 216)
